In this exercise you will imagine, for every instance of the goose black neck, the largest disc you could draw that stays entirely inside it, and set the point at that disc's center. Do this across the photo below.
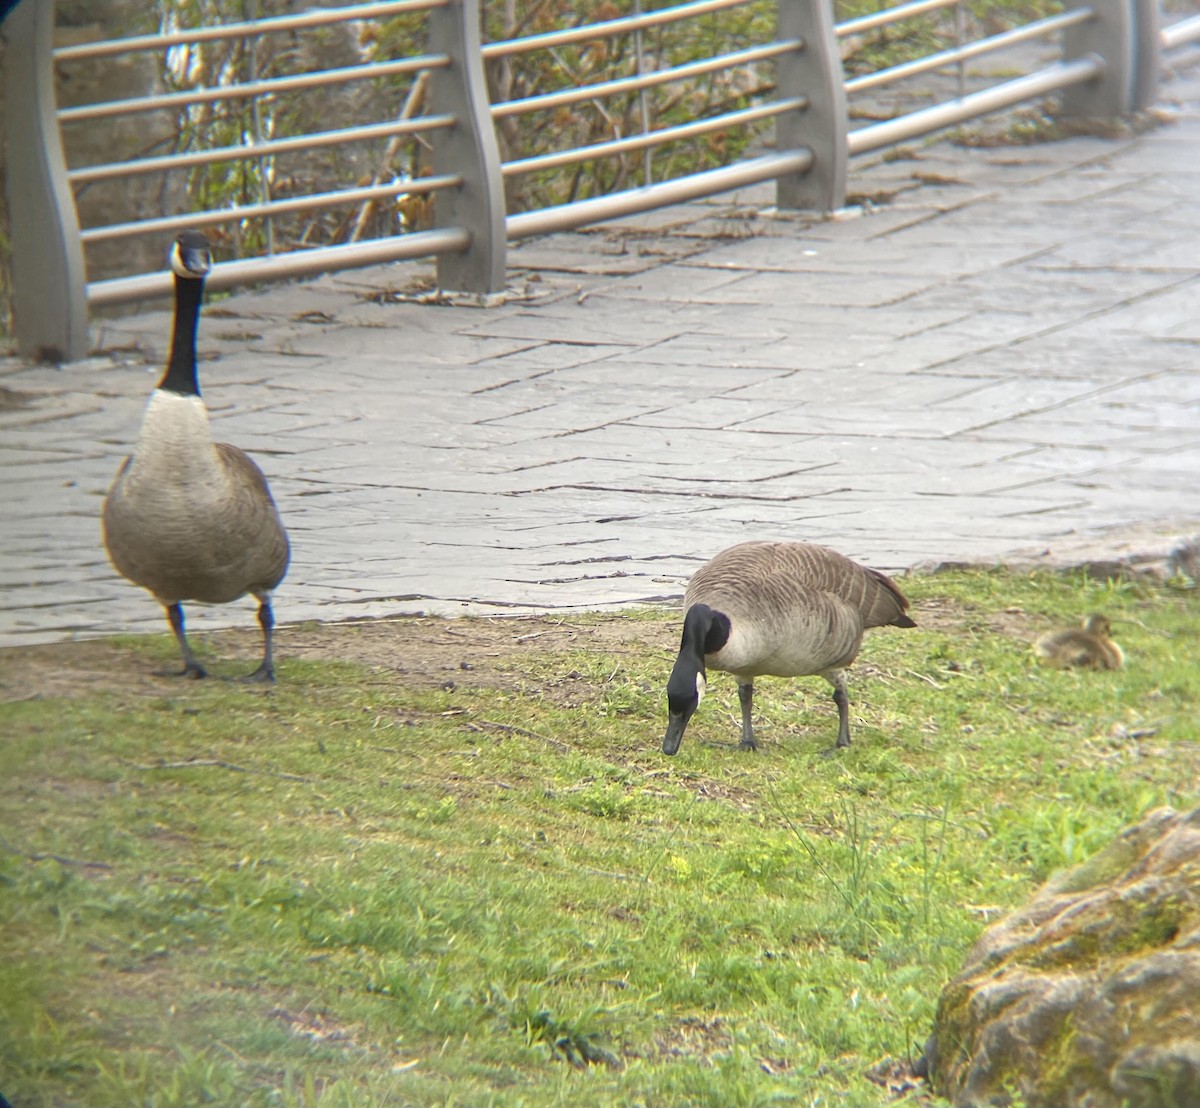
(705, 630)
(180, 375)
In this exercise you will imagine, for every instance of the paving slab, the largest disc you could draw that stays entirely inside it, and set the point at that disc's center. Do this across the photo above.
(992, 354)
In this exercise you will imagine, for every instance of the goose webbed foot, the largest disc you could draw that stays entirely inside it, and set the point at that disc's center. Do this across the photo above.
(722, 744)
(191, 669)
(264, 675)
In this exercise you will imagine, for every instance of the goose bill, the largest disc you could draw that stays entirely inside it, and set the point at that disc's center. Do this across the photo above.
(676, 725)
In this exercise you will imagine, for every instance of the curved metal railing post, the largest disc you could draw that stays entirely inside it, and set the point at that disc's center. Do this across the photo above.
(1108, 35)
(1147, 56)
(814, 74)
(468, 149)
(48, 276)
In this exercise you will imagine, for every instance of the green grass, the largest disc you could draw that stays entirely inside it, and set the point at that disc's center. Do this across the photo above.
(362, 893)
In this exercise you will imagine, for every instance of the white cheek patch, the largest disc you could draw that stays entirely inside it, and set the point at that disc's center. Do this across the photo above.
(701, 685)
(177, 266)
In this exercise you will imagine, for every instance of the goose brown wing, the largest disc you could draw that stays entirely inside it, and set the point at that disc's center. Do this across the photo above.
(875, 595)
(244, 474)
(120, 534)
(760, 579)
(257, 518)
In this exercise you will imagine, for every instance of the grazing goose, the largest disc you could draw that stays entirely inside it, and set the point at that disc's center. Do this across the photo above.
(1088, 646)
(186, 517)
(785, 609)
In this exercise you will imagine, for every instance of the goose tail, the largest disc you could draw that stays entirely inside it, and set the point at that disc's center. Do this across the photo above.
(886, 605)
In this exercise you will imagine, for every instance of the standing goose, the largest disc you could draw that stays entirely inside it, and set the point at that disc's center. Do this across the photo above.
(1089, 646)
(186, 517)
(784, 609)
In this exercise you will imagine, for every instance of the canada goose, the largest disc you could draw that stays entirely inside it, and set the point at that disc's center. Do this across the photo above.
(186, 517)
(785, 609)
(1088, 646)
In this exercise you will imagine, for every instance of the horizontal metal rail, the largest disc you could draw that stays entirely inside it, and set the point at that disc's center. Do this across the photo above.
(646, 80)
(272, 207)
(253, 88)
(318, 17)
(420, 244)
(165, 162)
(591, 32)
(1041, 29)
(652, 138)
(1183, 33)
(890, 15)
(1044, 81)
(1108, 68)
(599, 208)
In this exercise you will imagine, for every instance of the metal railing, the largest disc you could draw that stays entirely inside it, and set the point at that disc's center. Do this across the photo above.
(435, 98)
(1186, 32)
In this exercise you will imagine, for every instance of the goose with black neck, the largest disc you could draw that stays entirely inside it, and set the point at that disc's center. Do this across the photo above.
(784, 609)
(188, 518)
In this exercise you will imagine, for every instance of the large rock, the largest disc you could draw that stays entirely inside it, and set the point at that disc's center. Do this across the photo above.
(1090, 996)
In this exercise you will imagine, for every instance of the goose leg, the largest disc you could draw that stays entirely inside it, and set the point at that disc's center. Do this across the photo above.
(837, 678)
(191, 668)
(266, 620)
(746, 699)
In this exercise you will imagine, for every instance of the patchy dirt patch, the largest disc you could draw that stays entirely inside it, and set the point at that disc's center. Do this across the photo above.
(694, 1039)
(938, 613)
(897, 1079)
(71, 669)
(425, 652)
(315, 1026)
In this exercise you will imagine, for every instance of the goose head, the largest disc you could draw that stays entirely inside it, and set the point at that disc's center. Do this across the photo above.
(1098, 625)
(685, 690)
(190, 256)
(705, 631)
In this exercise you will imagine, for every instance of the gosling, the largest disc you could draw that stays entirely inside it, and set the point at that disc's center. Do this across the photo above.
(1089, 646)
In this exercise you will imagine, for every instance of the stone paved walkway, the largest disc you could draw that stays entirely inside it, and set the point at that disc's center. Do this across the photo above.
(999, 352)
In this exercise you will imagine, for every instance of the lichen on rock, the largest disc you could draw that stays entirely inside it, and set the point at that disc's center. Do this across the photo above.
(1090, 995)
